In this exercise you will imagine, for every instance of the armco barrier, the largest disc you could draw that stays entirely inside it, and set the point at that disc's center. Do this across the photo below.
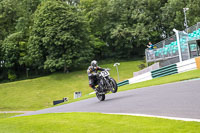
(125, 82)
(164, 71)
(155, 66)
(180, 67)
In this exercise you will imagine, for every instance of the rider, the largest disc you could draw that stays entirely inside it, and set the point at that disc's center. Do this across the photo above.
(92, 74)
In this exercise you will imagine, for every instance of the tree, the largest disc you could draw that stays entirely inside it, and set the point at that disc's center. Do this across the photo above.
(1, 55)
(59, 37)
(96, 13)
(132, 23)
(8, 17)
(15, 24)
(73, 2)
(193, 15)
(172, 16)
(14, 50)
(124, 26)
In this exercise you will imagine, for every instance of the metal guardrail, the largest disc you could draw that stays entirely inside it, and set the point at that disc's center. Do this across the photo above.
(125, 82)
(164, 71)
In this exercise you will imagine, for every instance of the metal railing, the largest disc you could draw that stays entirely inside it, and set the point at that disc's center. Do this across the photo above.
(168, 48)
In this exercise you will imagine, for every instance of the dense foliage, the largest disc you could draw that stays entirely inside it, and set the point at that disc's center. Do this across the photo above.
(59, 37)
(53, 35)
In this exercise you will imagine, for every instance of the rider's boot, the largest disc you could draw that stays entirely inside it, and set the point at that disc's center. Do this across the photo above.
(94, 88)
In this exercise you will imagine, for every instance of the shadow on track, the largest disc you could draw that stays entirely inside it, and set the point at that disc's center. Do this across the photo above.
(108, 99)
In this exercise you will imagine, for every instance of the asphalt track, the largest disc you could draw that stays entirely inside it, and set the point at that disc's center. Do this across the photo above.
(180, 99)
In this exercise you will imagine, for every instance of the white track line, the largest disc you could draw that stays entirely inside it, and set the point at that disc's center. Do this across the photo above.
(165, 117)
(91, 93)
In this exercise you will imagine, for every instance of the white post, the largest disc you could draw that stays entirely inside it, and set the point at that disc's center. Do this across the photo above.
(146, 55)
(117, 70)
(117, 73)
(179, 46)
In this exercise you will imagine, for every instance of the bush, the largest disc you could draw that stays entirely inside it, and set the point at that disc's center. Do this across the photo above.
(11, 75)
(141, 66)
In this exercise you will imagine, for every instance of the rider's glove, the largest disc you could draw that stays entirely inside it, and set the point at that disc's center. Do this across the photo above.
(108, 69)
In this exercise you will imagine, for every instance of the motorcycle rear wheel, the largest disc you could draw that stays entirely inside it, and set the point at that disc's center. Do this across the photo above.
(101, 97)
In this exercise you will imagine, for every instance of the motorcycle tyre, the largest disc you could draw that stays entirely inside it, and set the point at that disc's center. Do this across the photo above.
(115, 87)
(101, 97)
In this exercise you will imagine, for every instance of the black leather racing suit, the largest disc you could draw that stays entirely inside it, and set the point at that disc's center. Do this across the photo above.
(92, 71)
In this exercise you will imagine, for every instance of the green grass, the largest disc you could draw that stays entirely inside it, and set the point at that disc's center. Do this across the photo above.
(164, 80)
(34, 94)
(6, 115)
(39, 93)
(94, 123)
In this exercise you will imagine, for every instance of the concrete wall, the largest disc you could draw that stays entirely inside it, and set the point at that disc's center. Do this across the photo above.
(148, 69)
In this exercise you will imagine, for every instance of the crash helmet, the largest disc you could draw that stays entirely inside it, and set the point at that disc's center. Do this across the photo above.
(94, 63)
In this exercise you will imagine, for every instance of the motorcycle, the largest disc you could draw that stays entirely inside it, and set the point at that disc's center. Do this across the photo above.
(105, 84)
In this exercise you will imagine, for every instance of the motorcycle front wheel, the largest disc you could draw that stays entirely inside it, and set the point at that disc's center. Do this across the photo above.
(101, 97)
(114, 85)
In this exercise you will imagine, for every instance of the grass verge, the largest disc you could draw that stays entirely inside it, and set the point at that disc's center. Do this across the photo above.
(39, 93)
(6, 115)
(94, 123)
